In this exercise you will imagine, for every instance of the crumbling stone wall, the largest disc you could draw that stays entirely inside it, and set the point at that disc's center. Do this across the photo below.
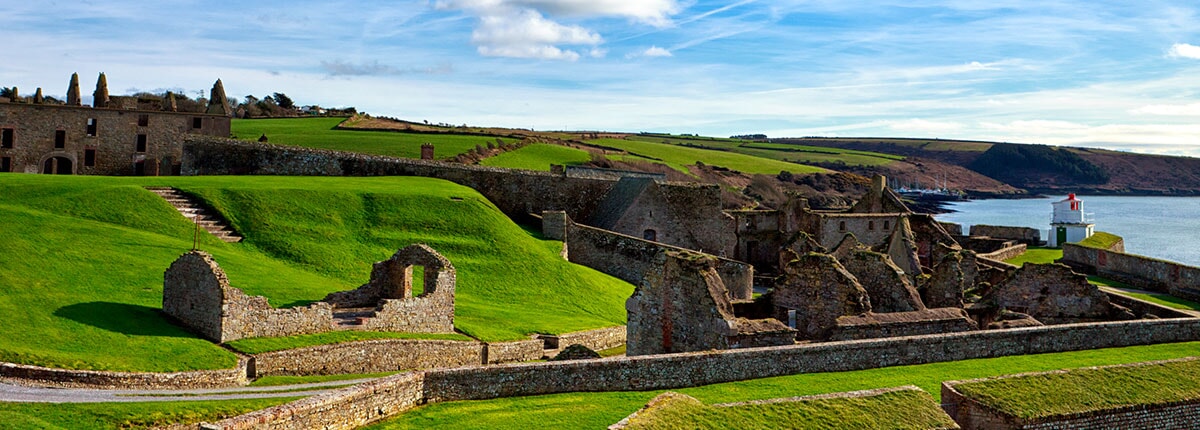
(927, 321)
(197, 293)
(390, 289)
(1139, 271)
(819, 290)
(1054, 294)
(1026, 235)
(888, 287)
(947, 283)
(682, 305)
(369, 356)
(870, 229)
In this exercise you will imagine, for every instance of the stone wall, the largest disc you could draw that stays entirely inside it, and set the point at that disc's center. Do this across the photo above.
(1053, 294)
(1026, 235)
(509, 352)
(973, 414)
(928, 321)
(629, 258)
(870, 229)
(392, 395)
(369, 356)
(44, 376)
(390, 291)
(197, 293)
(596, 340)
(517, 193)
(1006, 253)
(35, 128)
(1139, 271)
(610, 174)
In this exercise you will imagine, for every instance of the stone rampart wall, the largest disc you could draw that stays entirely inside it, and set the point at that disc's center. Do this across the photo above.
(1142, 307)
(44, 376)
(629, 258)
(1026, 235)
(1139, 271)
(1006, 253)
(654, 372)
(521, 350)
(371, 356)
(348, 408)
(596, 340)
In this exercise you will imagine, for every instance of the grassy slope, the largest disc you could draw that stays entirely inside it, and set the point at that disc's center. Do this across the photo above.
(259, 345)
(320, 133)
(1100, 240)
(598, 410)
(1038, 255)
(538, 157)
(781, 151)
(679, 157)
(896, 410)
(137, 415)
(1083, 390)
(83, 258)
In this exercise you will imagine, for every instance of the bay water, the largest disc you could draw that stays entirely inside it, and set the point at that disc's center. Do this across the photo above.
(1160, 227)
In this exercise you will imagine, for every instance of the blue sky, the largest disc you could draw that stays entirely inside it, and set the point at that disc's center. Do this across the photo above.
(1119, 75)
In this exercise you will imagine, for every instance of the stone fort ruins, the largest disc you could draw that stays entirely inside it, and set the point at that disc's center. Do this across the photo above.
(113, 136)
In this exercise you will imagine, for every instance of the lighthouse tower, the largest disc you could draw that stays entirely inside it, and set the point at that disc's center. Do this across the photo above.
(1069, 223)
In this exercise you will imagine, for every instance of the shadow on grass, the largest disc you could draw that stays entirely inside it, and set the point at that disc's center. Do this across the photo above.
(122, 318)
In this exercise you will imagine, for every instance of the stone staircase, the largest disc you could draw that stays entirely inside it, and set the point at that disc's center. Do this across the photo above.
(193, 208)
(352, 318)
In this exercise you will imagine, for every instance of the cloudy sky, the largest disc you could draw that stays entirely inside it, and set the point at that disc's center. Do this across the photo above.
(1115, 74)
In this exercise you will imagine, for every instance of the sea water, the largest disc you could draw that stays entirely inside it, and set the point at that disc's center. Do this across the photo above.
(1160, 227)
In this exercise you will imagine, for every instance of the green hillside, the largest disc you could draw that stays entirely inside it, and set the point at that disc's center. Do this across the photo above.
(778, 151)
(82, 261)
(321, 133)
(679, 157)
(538, 157)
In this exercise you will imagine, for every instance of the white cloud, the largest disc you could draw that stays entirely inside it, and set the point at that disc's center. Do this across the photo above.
(520, 28)
(655, 51)
(1184, 50)
(917, 124)
(1169, 110)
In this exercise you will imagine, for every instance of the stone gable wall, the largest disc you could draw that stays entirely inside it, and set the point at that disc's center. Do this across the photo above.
(1139, 271)
(35, 125)
(343, 408)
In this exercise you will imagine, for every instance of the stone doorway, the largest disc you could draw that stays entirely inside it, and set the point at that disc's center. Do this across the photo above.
(57, 166)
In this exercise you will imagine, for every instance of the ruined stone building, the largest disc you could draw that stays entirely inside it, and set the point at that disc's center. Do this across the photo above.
(108, 138)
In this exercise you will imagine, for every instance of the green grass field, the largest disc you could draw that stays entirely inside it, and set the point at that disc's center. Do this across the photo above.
(911, 409)
(538, 156)
(320, 133)
(923, 144)
(82, 261)
(1100, 240)
(135, 415)
(1036, 255)
(599, 410)
(679, 157)
(1083, 390)
(779, 151)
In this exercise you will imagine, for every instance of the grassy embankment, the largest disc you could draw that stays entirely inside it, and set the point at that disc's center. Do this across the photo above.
(134, 415)
(538, 156)
(598, 410)
(777, 151)
(83, 258)
(911, 409)
(1083, 390)
(321, 133)
(679, 157)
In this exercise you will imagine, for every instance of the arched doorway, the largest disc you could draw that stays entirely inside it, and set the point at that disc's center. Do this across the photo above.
(57, 166)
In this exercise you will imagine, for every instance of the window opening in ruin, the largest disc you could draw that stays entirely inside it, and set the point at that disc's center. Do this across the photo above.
(6, 138)
(841, 226)
(886, 225)
(60, 139)
(141, 143)
(91, 127)
(650, 235)
(139, 168)
(197, 122)
(870, 225)
(5, 164)
(415, 279)
(143, 120)
(89, 157)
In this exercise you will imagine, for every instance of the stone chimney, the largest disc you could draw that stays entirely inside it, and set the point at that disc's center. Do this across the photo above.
(37, 96)
(217, 103)
(426, 151)
(73, 91)
(878, 182)
(169, 104)
(100, 97)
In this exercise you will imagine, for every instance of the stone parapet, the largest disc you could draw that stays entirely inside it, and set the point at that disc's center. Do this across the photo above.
(370, 356)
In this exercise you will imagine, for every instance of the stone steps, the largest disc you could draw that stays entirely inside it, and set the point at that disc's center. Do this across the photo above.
(193, 209)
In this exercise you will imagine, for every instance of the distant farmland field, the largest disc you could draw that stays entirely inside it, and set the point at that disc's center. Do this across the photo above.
(320, 133)
(538, 157)
(679, 157)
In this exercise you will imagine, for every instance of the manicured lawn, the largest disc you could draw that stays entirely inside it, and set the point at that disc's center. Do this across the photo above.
(82, 261)
(1100, 240)
(320, 133)
(1037, 255)
(598, 410)
(910, 409)
(538, 157)
(1082, 390)
(1163, 299)
(136, 415)
(679, 157)
(260, 345)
